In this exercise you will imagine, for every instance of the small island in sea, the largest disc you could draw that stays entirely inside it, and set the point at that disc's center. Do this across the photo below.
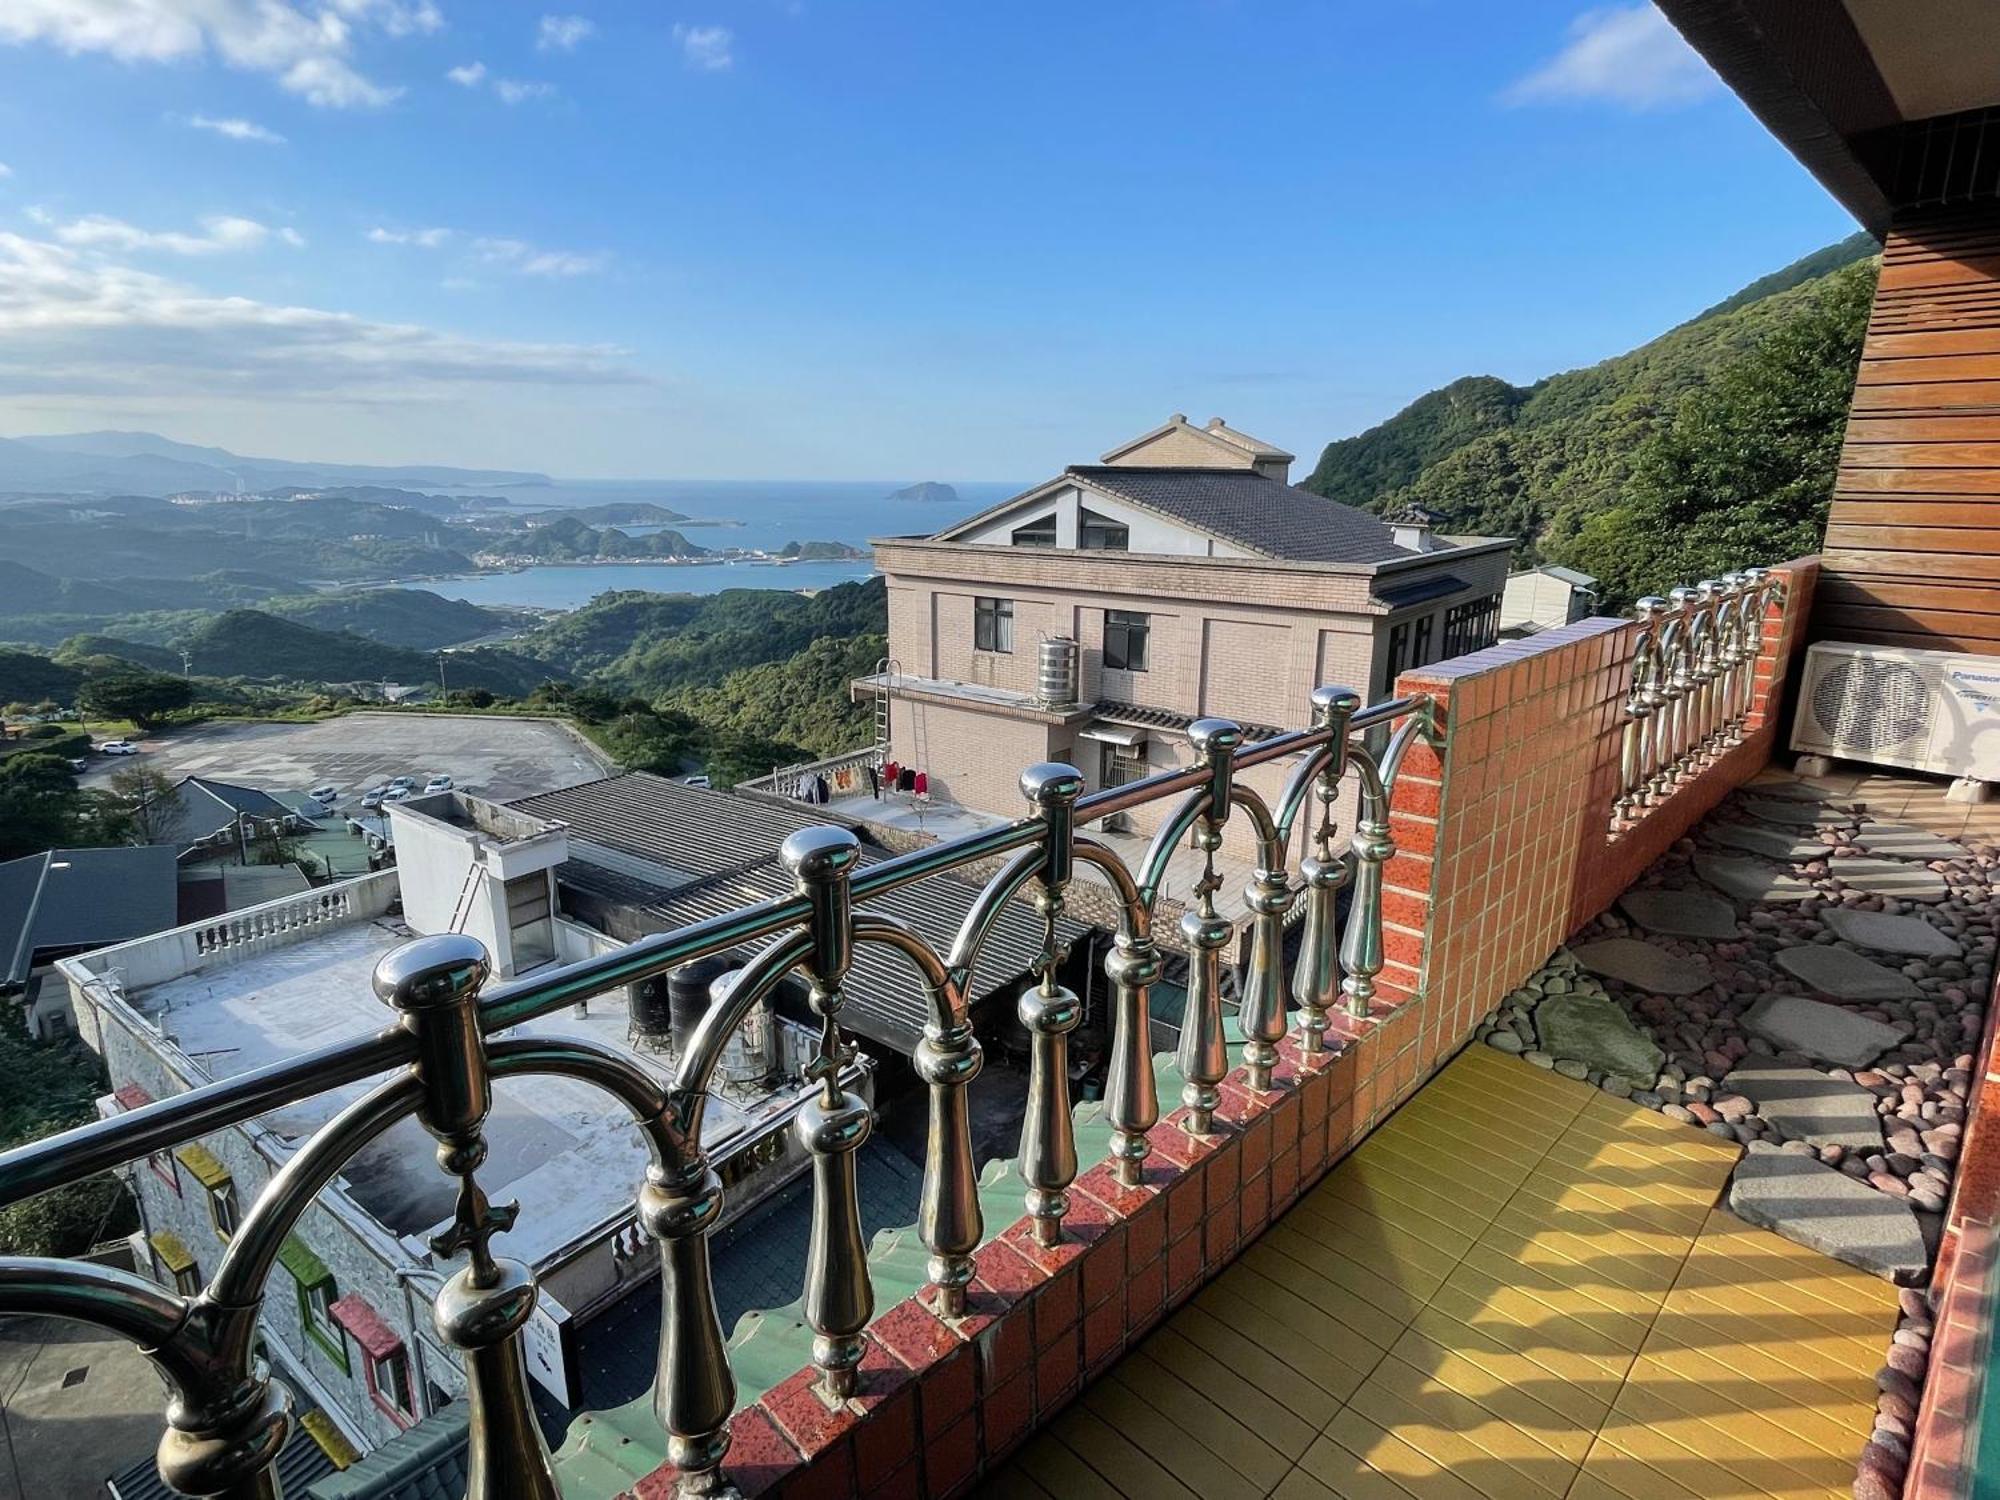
(823, 552)
(929, 490)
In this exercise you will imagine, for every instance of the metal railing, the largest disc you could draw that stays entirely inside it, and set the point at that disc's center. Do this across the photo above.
(227, 1418)
(1693, 680)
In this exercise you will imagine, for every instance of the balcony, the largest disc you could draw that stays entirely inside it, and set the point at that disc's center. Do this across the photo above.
(1394, 1259)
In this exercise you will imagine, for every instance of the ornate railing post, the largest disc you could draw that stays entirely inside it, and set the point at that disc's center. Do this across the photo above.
(1635, 750)
(1131, 1095)
(1050, 1012)
(1204, 1053)
(433, 984)
(949, 1219)
(1707, 645)
(1361, 944)
(1316, 980)
(1653, 753)
(834, 1123)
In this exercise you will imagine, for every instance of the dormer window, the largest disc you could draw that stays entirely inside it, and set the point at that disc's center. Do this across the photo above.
(1041, 533)
(1097, 533)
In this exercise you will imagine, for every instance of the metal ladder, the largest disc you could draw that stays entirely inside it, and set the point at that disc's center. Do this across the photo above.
(886, 671)
(463, 908)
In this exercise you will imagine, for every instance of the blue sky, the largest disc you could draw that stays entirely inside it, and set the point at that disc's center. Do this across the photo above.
(843, 238)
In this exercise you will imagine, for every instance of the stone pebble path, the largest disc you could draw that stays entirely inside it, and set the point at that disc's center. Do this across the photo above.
(1810, 982)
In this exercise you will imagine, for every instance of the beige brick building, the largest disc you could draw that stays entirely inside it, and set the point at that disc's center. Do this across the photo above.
(1189, 578)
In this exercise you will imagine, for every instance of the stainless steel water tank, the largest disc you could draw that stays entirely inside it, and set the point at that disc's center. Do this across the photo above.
(1055, 671)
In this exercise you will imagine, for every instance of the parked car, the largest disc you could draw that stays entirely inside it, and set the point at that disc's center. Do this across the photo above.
(325, 796)
(79, 764)
(403, 783)
(437, 784)
(396, 794)
(372, 798)
(700, 781)
(117, 747)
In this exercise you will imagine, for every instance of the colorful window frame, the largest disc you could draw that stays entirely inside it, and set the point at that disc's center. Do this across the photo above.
(317, 1295)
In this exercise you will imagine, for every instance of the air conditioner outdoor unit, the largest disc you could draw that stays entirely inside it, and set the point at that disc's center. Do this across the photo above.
(1936, 711)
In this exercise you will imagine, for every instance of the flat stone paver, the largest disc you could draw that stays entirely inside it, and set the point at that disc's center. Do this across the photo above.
(1901, 841)
(1596, 1033)
(1772, 843)
(1680, 913)
(1886, 932)
(1890, 877)
(1794, 814)
(1846, 976)
(1812, 1106)
(1638, 963)
(1793, 790)
(1792, 1023)
(1747, 880)
(1827, 1211)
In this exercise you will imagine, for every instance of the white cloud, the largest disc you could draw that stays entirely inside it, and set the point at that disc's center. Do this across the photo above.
(1630, 56)
(5, 171)
(236, 129)
(73, 322)
(563, 33)
(519, 90)
(309, 51)
(423, 239)
(708, 48)
(467, 75)
(518, 255)
(221, 234)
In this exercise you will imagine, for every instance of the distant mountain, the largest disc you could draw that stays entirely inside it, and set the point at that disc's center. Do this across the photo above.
(394, 617)
(79, 648)
(570, 540)
(930, 490)
(620, 513)
(824, 552)
(147, 464)
(250, 643)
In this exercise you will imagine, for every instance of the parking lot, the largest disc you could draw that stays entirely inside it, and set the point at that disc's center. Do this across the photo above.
(491, 757)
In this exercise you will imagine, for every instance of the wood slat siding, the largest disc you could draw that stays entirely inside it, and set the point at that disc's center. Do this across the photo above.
(1912, 555)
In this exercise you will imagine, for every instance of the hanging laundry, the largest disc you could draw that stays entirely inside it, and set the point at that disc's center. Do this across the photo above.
(889, 774)
(874, 784)
(921, 784)
(906, 780)
(824, 793)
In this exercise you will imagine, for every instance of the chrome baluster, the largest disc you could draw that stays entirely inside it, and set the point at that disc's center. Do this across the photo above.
(1704, 643)
(1680, 682)
(433, 984)
(949, 1220)
(1634, 749)
(833, 1123)
(1204, 1054)
(1316, 980)
(1650, 612)
(1050, 1012)
(1131, 1093)
(1361, 943)
(1728, 657)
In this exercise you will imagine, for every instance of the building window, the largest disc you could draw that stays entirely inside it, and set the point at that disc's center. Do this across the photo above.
(162, 1163)
(207, 1169)
(1472, 626)
(1126, 635)
(1397, 658)
(385, 1364)
(993, 624)
(1420, 650)
(317, 1294)
(187, 1280)
(389, 1384)
(175, 1262)
(1040, 533)
(530, 920)
(1102, 534)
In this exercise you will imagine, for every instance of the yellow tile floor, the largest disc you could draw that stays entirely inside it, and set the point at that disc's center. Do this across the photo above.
(1516, 1287)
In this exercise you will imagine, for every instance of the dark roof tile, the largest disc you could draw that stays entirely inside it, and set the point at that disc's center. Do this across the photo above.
(1266, 516)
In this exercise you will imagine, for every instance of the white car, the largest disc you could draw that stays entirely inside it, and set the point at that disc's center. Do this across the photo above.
(437, 784)
(325, 796)
(396, 794)
(372, 798)
(117, 747)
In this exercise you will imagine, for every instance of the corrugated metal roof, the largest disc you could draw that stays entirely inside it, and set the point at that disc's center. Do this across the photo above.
(1265, 515)
(424, 1462)
(689, 830)
(1418, 589)
(1165, 718)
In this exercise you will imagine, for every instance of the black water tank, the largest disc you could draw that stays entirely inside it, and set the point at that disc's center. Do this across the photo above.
(687, 996)
(652, 1013)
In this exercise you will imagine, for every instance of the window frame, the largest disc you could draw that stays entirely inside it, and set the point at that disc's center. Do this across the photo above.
(166, 1169)
(372, 1365)
(1471, 626)
(1420, 641)
(1395, 658)
(1031, 533)
(1112, 536)
(222, 1205)
(187, 1280)
(993, 624)
(319, 1324)
(1130, 628)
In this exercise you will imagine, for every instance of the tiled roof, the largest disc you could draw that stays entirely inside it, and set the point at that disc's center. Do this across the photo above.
(424, 1462)
(241, 799)
(1264, 515)
(1417, 590)
(689, 830)
(82, 898)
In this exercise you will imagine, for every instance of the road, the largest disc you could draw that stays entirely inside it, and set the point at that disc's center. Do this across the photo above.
(494, 757)
(75, 1406)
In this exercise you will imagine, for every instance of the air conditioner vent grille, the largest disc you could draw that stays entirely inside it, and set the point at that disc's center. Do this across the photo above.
(1872, 704)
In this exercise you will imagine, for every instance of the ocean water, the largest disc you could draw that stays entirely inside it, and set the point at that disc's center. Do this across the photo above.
(759, 513)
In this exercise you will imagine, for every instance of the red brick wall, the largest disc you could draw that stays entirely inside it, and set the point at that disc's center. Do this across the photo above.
(1504, 849)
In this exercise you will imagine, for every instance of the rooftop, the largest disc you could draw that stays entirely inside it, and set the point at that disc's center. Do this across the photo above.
(556, 1145)
(1264, 515)
(65, 899)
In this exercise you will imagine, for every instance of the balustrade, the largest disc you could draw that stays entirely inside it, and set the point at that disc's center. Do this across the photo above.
(1693, 681)
(227, 1417)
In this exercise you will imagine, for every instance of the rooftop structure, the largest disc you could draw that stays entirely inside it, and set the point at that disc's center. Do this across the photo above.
(66, 900)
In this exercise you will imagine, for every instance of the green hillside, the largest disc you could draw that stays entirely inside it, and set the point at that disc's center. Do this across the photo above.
(1558, 463)
(398, 617)
(249, 643)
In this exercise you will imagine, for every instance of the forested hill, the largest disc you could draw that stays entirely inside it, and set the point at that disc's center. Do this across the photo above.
(1723, 431)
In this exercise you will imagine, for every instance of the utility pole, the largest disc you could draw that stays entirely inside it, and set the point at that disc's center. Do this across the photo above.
(187, 662)
(441, 687)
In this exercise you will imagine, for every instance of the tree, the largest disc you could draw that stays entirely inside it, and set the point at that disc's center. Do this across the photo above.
(46, 1087)
(140, 807)
(143, 697)
(1743, 474)
(40, 806)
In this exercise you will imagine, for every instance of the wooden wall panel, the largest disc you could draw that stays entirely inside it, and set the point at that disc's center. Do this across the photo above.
(1912, 555)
